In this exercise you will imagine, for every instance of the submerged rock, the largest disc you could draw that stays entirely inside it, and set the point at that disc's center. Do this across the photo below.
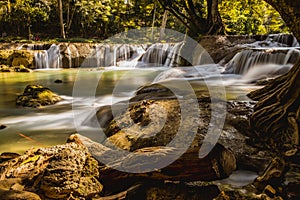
(58, 81)
(2, 126)
(36, 96)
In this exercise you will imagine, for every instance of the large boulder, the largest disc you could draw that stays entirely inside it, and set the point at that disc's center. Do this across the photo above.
(36, 96)
(154, 116)
(61, 172)
(22, 57)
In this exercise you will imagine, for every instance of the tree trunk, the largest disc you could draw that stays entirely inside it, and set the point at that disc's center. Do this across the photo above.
(163, 25)
(61, 19)
(276, 115)
(218, 164)
(29, 28)
(214, 21)
(289, 10)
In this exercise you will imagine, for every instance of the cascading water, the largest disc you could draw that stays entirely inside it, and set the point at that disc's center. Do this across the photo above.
(243, 61)
(50, 58)
(275, 40)
(167, 55)
(107, 55)
(284, 39)
(41, 60)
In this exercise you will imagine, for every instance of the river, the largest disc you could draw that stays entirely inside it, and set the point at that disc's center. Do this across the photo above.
(51, 125)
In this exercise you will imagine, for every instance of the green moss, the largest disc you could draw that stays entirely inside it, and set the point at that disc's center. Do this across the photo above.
(36, 95)
(4, 56)
(21, 57)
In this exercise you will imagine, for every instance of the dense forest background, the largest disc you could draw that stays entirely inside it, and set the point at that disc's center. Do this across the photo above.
(37, 19)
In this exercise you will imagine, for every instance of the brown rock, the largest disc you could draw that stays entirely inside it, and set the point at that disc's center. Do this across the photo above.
(18, 195)
(53, 172)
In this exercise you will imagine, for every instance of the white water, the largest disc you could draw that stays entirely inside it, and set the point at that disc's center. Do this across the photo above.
(276, 40)
(243, 61)
(108, 55)
(50, 58)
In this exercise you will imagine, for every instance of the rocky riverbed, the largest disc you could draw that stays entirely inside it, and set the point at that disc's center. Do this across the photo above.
(74, 170)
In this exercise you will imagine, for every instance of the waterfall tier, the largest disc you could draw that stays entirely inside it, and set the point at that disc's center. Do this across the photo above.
(106, 55)
(243, 61)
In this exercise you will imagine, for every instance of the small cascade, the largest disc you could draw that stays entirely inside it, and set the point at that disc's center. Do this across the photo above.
(173, 57)
(275, 40)
(41, 60)
(243, 61)
(48, 59)
(106, 55)
(284, 39)
(265, 71)
(156, 54)
(69, 56)
(167, 55)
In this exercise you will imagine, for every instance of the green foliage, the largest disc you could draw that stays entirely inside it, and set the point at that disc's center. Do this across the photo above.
(250, 17)
(101, 19)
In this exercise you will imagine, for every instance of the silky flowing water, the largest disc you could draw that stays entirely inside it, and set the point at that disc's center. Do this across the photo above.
(51, 125)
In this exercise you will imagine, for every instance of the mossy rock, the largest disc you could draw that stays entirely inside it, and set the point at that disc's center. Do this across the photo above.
(36, 96)
(21, 57)
(21, 68)
(4, 56)
(5, 68)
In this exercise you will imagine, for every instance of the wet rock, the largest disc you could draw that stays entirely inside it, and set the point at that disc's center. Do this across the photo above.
(58, 81)
(36, 96)
(2, 126)
(180, 191)
(154, 116)
(22, 57)
(57, 172)
(5, 68)
(18, 195)
(8, 156)
(21, 68)
(222, 48)
(4, 56)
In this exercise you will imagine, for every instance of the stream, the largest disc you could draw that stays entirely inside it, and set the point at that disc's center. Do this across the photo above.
(51, 125)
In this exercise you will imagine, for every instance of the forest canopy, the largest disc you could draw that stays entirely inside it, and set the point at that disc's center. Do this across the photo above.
(102, 19)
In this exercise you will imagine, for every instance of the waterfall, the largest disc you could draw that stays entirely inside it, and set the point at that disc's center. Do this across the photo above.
(41, 60)
(275, 40)
(265, 71)
(69, 56)
(284, 40)
(47, 59)
(106, 55)
(167, 55)
(243, 61)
